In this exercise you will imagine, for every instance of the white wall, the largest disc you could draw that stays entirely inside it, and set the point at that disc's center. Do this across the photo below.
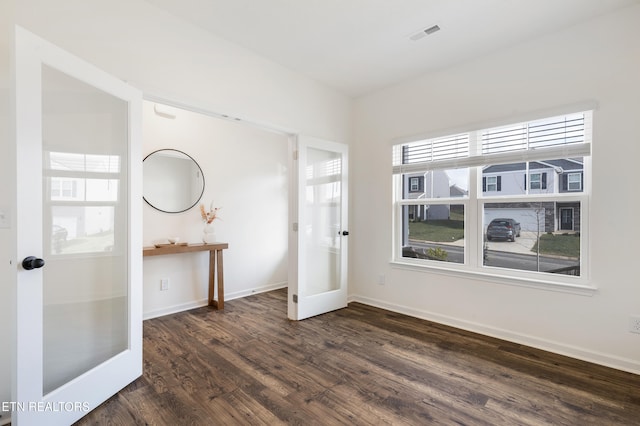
(167, 57)
(245, 171)
(596, 60)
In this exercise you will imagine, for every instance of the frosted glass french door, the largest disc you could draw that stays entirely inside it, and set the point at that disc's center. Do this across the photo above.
(78, 293)
(318, 278)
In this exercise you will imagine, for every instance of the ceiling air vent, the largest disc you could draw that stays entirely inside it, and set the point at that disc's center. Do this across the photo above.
(424, 33)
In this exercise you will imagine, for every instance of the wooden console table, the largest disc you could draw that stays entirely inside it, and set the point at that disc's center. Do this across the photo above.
(215, 257)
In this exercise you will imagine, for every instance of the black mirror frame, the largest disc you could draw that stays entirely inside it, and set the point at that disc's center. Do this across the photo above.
(201, 174)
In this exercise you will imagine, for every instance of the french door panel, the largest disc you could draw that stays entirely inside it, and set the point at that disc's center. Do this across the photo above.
(320, 269)
(78, 313)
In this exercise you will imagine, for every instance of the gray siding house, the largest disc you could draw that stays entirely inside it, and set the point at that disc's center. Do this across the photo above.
(543, 177)
(433, 184)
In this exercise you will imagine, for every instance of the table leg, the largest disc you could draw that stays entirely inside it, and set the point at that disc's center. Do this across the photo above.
(215, 260)
(212, 274)
(220, 280)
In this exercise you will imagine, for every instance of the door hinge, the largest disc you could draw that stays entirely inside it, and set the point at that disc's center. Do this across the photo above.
(295, 298)
(295, 226)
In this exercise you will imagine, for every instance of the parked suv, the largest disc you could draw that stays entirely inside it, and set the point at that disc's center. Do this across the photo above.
(503, 228)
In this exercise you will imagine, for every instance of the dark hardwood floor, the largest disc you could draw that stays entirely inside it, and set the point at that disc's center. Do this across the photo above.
(360, 365)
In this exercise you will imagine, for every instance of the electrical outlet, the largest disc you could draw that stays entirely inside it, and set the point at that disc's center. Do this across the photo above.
(164, 284)
(381, 279)
(634, 324)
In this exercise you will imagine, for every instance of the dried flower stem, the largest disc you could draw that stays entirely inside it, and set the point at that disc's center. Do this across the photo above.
(211, 215)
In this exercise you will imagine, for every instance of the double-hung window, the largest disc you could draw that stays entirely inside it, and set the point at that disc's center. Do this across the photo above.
(506, 201)
(492, 183)
(536, 181)
(574, 182)
(415, 184)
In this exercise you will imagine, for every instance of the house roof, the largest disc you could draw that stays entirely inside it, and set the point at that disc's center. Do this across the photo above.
(565, 164)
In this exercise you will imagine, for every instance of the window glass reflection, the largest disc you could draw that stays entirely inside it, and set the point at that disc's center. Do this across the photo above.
(84, 162)
(83, 191)
(82, 229)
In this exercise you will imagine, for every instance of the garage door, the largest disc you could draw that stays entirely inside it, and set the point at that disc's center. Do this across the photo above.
(526, 217)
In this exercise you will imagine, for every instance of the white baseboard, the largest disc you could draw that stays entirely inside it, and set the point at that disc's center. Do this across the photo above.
(257, 290)
(173, 309)
(607, 360)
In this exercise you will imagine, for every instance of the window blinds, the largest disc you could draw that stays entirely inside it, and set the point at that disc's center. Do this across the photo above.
(550, 132)
(562, 136)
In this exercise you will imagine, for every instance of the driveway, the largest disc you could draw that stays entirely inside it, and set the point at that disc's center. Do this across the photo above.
(523, 244)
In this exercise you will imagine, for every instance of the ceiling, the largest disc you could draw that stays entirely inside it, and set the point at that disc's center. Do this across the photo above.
(359, 46)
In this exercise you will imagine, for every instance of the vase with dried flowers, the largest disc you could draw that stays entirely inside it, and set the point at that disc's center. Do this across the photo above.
(209, 232)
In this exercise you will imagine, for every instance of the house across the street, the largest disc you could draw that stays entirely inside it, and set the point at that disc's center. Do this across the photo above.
(536, 177)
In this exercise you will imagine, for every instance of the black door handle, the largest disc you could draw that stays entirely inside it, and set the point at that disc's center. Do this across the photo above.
(32, 262)
(345, 233)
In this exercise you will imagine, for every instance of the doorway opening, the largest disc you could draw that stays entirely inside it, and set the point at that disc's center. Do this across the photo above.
(246, 176)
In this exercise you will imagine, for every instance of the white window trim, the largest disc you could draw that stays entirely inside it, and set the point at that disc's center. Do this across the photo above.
(473, 266)
(478, 272)
(473, 235)
(491, 278)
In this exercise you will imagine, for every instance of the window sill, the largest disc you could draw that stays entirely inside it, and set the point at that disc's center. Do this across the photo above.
(502, 278)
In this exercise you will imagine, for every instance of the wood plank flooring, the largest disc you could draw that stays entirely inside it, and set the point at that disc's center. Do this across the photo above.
(361, 365)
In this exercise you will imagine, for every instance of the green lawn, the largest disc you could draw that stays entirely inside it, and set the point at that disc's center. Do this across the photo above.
(438, 231)
(561, 245)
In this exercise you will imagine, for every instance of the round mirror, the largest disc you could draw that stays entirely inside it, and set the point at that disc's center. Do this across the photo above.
(173, 181)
